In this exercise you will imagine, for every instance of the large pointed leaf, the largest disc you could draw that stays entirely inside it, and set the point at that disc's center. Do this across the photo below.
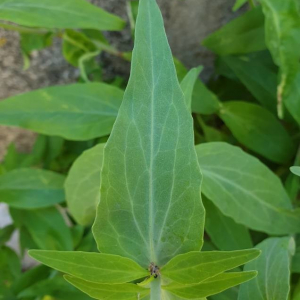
(31, 188)
(273, 266)
(75, 112)
(94, 267)
(150, 208)
(246, 190)
(195, 267)
(211, 286)
(295, 170)
(58, 14)
(109, 292)
(83, 185)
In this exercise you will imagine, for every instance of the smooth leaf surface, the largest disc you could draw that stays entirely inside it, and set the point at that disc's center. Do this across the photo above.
(93, 267)
(238, 4)
(242, 35)
(31, 188)
(273, 266)
(245, 189)
(211, 286)
(195, 267)
(188, 83)
(224, 232)
(57, 14)
(46, 226)
(258, 129)
(295, 170)
(257, 77)
(75, 112)
(82, 185)
(109, 292)
(150, 208)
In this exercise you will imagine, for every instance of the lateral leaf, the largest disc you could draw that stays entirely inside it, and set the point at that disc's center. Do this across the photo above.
(57, 14)
(195, 267)
(151, 208)
(245, 189)
(211, 286)
(93, 267)
(99, 291)
(75, 112)
(273, 266)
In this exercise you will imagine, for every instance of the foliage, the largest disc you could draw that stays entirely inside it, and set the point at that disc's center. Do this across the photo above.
(181, 178)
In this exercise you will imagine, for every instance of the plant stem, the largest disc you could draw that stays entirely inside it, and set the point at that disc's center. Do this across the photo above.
(155, 293)
(23, 29)
(252, 3)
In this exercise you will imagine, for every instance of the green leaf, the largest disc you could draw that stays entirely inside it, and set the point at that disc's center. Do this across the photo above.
(211, 286)
(31, 188)
(5, 233)
(295, 170)
(258, 129)
(282, 38)
(188, 83)
(224, 232)
(273, 280)
(238, 4)
(99, 291)
(46, 226)
(56, 14)
(83, 185)
(257, 77)
(75, 112)
(292, 99)
(242, 35)
(150, 208)
(93, 267)
(10, 266)
(204, 101)
(246, 190)
(195, 267)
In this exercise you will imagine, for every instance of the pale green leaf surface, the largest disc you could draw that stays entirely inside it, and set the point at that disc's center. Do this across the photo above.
(258, 129)
(150, 208)
(75, 112)
(109, 291)
(225, 233)
(245, 190)
(211, 286)
(31, 188)
(188, 83)
(196, 267)
(46, 226)
(273, 266)
(295, 170)
(93, 267)
(242, 35)
(57, 14)
(82, 185)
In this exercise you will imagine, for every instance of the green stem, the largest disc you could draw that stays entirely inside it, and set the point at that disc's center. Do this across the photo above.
(252, 3)
(155, 293)
(23, 29)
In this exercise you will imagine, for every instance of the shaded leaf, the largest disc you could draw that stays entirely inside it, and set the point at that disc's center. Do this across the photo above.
(238, 4)
(195, 267)
(31, 188)
(242, 35)
(246, 190)
(273, 280)
(93, 267)
(75, 112)
(258, 129)
(57, 14)
(150, 208)
(83, 185)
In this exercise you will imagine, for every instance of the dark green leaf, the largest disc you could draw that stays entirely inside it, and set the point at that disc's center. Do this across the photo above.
(5, 234)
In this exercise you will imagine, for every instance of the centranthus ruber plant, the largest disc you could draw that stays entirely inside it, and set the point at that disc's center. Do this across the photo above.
(150, 218)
